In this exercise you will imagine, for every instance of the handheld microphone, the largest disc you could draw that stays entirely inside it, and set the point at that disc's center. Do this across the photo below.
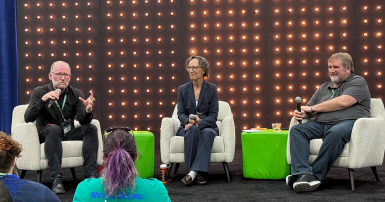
(298, 101)
(53, 100)
(192, 117)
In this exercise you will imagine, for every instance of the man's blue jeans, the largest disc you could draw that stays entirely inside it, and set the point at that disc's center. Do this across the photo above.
(334, 139)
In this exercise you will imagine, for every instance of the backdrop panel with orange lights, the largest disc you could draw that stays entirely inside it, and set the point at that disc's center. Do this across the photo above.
(262, 53)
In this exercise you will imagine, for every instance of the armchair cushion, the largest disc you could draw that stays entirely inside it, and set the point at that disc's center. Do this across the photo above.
(315, 145)
(70, 149)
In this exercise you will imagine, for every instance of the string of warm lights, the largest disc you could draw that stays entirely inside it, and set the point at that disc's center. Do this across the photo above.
(262, 53)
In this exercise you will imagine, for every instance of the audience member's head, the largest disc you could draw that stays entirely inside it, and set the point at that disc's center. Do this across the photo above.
(9, 149)
(119, 152)
(5, 196)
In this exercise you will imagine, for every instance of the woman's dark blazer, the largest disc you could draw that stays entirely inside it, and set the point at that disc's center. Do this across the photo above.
(207, 104)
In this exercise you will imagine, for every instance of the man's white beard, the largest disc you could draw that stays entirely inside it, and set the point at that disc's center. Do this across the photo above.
(336, 79)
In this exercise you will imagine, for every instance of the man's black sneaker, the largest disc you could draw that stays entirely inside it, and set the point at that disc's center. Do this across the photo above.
(290, 179)
(306, 182)
(57, 186)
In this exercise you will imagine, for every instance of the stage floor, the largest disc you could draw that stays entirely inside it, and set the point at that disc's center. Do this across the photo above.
(336, 186)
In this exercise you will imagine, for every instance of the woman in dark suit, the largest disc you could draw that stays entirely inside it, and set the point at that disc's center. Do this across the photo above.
(197, 112)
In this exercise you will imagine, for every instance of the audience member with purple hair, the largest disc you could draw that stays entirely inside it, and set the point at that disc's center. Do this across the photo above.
(120, 180)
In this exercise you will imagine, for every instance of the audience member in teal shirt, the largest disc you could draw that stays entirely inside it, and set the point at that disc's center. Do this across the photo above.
(119, 181)
(145, 190)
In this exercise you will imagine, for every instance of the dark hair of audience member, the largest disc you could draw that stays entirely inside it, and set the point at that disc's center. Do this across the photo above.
(5, 196)
(9, 149)
(119, 170)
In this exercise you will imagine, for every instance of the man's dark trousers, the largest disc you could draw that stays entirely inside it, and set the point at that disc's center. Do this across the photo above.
(52, 136)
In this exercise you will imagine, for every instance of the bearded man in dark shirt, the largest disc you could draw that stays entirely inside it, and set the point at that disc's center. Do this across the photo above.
(54, 111)
(335, 106)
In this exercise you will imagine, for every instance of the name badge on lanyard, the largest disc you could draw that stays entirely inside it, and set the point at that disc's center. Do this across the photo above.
(66, 127)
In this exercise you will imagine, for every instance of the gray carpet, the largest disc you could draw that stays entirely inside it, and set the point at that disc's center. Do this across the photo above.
(336, 186)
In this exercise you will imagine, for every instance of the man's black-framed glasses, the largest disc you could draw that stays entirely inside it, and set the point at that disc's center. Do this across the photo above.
(61, 74)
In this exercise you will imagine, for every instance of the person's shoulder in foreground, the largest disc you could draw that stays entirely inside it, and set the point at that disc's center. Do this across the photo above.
(145, 190)
(25, 190)
(34, 191)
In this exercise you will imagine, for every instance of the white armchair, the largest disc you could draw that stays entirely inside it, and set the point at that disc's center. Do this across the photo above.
(366, 146)
(172, 146)
(33, 156)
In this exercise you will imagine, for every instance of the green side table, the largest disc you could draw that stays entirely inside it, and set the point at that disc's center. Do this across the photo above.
(264, 154)
(145, 163)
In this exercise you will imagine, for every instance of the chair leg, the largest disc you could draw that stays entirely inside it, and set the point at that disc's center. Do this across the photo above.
(176, 168)
(225, 166)
(374, 170)
(169, 168)
(351, 177)
(73, 173)
(39, 172)
(23, 174)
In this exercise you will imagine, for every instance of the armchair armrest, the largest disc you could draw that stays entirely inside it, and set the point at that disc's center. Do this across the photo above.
(99, 160)
(227, 132)
(367, 143)
(26, 134)
(169, 127)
